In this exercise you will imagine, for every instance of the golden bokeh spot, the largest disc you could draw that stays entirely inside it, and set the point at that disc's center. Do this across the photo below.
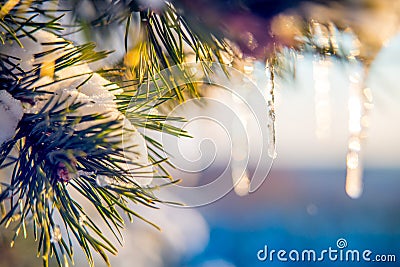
(132, 57)
(47, 68)
(8, 6)
(286, 28)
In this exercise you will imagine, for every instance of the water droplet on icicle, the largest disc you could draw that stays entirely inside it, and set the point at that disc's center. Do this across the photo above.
(242, 186)
(354, 183)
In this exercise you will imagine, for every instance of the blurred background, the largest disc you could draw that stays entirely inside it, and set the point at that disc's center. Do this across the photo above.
(302, 204)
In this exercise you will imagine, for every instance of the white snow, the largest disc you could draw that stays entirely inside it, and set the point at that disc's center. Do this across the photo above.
(97, 98)
(10, 114)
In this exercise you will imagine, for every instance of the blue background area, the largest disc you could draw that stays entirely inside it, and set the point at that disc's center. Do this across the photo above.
(304, 210)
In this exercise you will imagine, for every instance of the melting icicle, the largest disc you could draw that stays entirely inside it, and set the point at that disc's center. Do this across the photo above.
(360, 102)
(56, 235)
(271, 114)
(322, 98)
(354, 172)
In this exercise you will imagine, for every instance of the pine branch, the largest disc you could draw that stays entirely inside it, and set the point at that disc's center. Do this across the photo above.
(164, 39)
(51, 155)
(21, 18)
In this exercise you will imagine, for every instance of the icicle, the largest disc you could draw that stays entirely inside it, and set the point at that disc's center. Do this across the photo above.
(271, 113)
(321, 98)
(360, 102)
(354, 183)
(240, 176)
